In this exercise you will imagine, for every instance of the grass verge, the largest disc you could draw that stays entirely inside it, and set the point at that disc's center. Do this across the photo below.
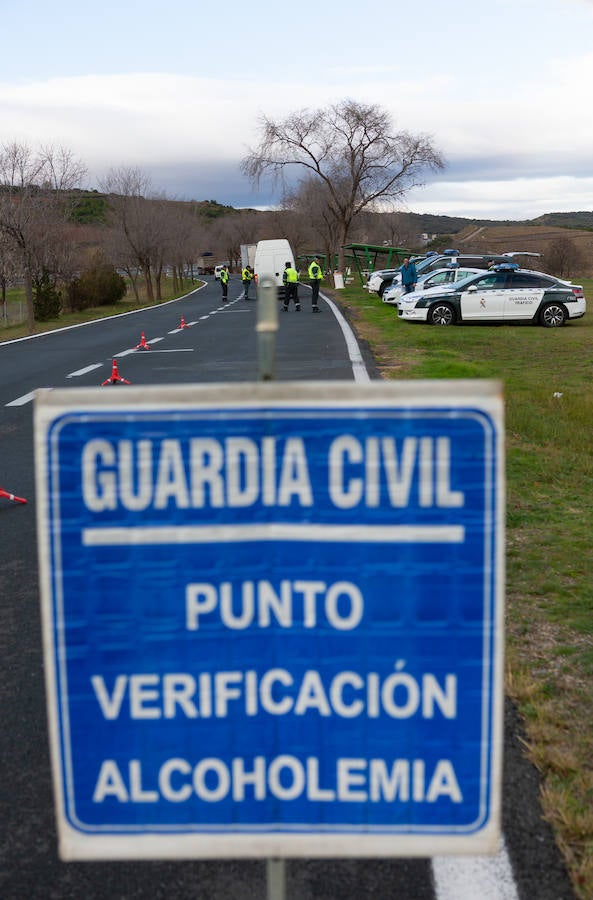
(128, 304)
(547, 377)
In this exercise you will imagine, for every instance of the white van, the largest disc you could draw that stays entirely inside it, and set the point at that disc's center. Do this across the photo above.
(270, 259)
(218, 270)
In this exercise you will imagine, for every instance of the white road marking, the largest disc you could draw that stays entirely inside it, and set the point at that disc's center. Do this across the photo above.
(85, 370)
(468, 877)
(359, 370)
(20, 401)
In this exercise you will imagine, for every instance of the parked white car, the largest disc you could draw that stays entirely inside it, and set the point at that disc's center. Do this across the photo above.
(379, 280)
(440, 278)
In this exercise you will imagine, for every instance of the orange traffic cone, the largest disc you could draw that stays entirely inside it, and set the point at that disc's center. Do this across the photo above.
(143, 345)
(115, 377)
(183, 323)
(12, 497)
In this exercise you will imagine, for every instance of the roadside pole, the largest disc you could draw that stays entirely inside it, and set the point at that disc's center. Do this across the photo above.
(276, 879)
(267, 326)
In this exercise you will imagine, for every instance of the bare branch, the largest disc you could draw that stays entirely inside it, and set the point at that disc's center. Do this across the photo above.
(351, 150)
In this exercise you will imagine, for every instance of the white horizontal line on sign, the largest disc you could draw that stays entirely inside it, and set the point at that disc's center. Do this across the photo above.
(197, 534)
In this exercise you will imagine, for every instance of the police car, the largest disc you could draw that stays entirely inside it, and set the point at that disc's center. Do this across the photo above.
(438, 278)
(379, 280)
(505, 293)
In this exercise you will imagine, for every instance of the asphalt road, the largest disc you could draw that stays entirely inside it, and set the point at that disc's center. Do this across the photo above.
(219, 346)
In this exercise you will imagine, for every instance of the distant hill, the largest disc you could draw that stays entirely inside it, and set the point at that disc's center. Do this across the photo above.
(580, 220)
(427, 223)
(433, 224)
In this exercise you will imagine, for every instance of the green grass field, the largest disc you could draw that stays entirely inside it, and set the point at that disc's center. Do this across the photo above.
(549, 616)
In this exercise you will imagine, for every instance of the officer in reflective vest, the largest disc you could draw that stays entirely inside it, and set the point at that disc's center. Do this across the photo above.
(246, 276)
(224, 283)
(315, 276)
(290, 279)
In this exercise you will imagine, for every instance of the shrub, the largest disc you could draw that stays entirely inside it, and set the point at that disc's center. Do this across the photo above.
(47, 299)
(99, 285)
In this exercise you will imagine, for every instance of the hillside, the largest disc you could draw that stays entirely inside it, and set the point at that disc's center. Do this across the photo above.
(525, 236)
(566, 220)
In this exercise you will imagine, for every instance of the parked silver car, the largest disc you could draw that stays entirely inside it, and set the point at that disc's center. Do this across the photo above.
(440, 278)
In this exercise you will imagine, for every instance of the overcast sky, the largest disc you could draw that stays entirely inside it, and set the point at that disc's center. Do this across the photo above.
(177, 89)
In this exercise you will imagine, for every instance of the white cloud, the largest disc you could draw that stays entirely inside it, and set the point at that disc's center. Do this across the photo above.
(520, 198)
(513, 150)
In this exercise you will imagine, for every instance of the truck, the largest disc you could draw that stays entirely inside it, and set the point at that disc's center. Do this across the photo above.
(248, 255)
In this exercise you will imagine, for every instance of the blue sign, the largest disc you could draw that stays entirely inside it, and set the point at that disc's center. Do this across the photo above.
(273, 617)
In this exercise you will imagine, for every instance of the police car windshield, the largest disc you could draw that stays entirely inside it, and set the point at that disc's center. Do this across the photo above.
(423, 264)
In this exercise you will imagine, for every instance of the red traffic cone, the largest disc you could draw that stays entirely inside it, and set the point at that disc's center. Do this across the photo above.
(183, 323)
(115, 377)
(12, 497)
(142, 345)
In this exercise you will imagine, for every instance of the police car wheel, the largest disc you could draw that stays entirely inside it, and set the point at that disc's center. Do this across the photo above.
(442, 314)
(553, 315)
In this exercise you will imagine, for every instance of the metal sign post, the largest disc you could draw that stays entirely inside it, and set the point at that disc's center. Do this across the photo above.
(267, 326)
(272, 619)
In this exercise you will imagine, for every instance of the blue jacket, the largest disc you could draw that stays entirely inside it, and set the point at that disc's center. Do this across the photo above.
(409, 274)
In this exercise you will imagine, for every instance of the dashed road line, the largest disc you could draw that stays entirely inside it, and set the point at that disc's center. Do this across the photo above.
(84, 371)
(21, 401)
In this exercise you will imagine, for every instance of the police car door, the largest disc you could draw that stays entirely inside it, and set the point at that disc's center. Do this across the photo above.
(524, 295)
(484, 297)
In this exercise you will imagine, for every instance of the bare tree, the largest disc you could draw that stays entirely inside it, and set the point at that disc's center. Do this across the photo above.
(8, 270)
(33, 213)
(311, 200)
(351, 149)
(562, 257)
(136, 217)
(395, 228)
(62, 170)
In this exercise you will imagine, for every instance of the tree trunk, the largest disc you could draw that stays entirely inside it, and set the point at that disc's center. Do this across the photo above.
(342, 238)
(134, 281)
(149, 285)
(29, 298)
